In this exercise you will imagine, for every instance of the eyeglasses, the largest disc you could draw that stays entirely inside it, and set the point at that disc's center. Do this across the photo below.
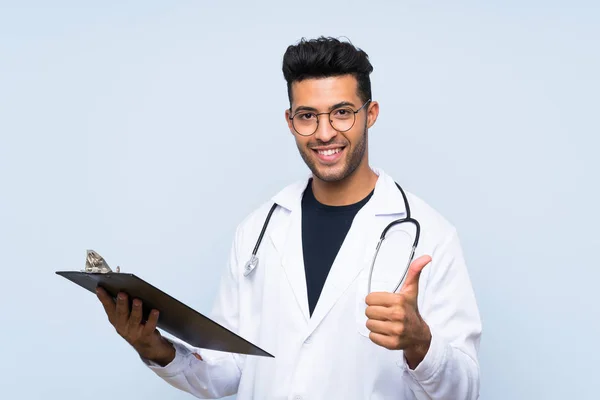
(342, 119)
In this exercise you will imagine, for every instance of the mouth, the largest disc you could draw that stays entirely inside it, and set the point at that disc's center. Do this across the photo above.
(329, 155)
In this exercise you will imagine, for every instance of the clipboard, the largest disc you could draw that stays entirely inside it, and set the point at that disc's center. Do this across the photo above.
(176, 318)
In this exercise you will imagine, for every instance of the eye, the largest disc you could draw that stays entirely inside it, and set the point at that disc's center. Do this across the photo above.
(342, 113)
(305, 116)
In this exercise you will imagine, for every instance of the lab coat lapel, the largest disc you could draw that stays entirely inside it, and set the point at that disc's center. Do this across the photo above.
(286, 237)
(349, 261)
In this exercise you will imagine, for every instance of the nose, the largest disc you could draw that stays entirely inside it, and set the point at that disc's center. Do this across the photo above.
(325, 131)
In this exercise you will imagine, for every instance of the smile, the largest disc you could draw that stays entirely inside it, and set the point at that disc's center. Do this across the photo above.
(329, 152)
(329, 156)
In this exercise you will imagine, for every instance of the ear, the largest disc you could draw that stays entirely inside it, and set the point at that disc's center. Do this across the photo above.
(288, 120)
(372, 113)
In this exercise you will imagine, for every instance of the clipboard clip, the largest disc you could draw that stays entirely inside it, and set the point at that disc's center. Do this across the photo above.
(94, 263)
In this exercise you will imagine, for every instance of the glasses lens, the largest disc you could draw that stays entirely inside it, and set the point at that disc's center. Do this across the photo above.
(392, 258)
(305, 123)
(342, 119)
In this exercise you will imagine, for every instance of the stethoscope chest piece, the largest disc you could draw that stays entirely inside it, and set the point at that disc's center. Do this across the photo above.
(250, 265)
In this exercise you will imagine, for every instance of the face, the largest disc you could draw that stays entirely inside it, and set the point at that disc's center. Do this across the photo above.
(330, 154)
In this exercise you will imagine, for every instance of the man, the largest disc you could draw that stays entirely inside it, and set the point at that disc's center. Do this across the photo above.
(309, 301)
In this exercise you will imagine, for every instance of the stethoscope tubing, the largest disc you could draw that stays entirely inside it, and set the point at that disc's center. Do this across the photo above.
(412, 252)
(253, 261)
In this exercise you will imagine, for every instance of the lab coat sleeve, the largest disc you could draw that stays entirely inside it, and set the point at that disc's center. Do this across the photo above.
(450, 370)
(216, 374)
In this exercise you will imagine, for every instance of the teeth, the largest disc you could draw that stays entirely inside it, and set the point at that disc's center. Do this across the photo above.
(330, 152)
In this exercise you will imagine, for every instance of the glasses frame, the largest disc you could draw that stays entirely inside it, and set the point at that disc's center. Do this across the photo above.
(329, 118)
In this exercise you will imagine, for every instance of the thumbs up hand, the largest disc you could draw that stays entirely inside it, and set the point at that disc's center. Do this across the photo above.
(394, 319)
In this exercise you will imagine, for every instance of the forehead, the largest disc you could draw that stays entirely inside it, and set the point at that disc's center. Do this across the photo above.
(321, 93)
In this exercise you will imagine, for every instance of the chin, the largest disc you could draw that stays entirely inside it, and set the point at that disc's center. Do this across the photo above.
(331, 174)
(328, 173)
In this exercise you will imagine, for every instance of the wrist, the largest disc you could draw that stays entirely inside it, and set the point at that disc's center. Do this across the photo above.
(163, 356)
(417, 352)
(168, 357)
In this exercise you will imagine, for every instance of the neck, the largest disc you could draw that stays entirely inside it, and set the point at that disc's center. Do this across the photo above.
(350, 190)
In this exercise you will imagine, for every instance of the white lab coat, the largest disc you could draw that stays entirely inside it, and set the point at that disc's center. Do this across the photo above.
(329, 355)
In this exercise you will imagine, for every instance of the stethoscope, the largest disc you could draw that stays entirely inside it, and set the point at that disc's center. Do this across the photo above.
(253, 261)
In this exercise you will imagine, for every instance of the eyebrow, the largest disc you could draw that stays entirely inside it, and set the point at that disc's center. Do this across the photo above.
(333, 107)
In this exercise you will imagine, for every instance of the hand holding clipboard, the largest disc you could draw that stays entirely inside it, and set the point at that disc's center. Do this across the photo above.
(141, 335)
(137, 309)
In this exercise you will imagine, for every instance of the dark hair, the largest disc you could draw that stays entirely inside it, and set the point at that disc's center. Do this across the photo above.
(326, 57)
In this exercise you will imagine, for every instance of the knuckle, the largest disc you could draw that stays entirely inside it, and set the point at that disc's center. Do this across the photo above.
(134, 320)
(397, 343)
(400, 299)
(398, 330)
(398, 314)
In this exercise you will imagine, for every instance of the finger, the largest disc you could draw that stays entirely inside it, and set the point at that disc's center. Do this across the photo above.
(150, 325)
(411, 284)
(378, 312)
(122, 311)
(107, 302)
(136, 316)
(383, 299)
(384, 327)
(393, 314)
(389, 342)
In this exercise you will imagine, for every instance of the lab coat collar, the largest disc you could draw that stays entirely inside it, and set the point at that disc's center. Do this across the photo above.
(386, 200)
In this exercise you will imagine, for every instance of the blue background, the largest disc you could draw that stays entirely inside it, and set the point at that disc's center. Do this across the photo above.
(147, 130)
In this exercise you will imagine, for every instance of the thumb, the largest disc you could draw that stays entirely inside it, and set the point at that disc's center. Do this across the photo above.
(411, 284)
